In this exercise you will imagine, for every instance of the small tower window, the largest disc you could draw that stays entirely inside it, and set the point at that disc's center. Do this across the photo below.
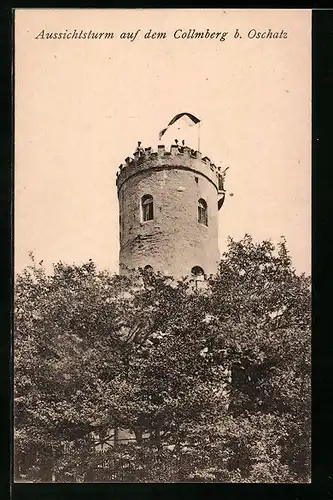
(202, 212)
(148, 269)
(198, 274)
(147, 206)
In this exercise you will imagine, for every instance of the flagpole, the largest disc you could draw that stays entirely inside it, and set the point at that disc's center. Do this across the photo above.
(199, 137)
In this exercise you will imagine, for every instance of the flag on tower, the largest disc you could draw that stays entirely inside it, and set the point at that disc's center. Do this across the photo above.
(191, 119)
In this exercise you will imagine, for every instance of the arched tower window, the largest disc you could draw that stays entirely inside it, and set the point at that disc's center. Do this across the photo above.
(198, 274)
(148, 269)
(202, 212)
(147, 207)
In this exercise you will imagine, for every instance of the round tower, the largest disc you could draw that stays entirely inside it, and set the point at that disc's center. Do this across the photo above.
(168, 211)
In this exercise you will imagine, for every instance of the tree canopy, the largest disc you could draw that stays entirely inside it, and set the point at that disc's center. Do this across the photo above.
(212, 384)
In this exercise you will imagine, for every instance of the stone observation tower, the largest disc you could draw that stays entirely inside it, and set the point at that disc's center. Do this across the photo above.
(169, 203)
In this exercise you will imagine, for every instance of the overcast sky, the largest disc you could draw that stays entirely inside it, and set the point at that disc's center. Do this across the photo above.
(82, 105)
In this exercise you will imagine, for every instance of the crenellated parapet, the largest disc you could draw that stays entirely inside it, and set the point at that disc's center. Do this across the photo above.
(180, 157)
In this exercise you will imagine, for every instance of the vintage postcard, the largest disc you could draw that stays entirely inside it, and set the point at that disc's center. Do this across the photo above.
(162, 214)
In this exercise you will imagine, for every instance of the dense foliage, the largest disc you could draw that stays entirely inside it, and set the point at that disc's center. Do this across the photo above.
(212, 384)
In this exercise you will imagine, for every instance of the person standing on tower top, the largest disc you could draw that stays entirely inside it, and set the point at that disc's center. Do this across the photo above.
(139, 148)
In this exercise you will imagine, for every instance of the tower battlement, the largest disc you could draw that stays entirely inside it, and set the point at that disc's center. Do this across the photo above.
(180, 157)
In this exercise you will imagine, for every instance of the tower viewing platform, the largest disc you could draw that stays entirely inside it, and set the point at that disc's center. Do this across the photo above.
(181, 157)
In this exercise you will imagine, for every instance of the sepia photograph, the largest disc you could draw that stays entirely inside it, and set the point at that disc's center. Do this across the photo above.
(162, 246)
